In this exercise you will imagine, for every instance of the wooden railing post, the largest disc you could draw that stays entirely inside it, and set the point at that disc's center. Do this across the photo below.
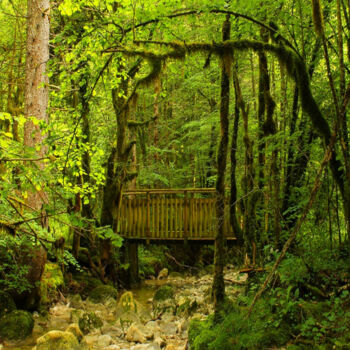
(185, 215)
(148, 217)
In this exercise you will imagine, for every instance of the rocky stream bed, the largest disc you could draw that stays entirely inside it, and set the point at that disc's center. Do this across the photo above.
(154, 316)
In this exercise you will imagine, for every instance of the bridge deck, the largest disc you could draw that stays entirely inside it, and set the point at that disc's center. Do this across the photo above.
(181, 214)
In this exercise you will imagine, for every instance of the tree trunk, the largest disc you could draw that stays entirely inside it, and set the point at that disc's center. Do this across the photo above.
(36, 84)
(219, 257)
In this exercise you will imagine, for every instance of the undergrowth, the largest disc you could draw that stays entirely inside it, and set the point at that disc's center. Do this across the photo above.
(307, 306)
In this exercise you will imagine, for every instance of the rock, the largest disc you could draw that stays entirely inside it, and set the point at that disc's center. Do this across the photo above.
(129, 311)
(51, 280)
(134, 334)
(170, 347)
(57, 340)
(76, 301)
(113, 331)
(163, 274)
(168, 328)
(91, 339)
(16, 325)
(164, 300)
(75, 330)
(186, 307)
(160, 341)
(126, 304)
(163, 293)
(89, 321)
(104, 340)
(175, 275)
(76, 315)
(113, 347)
(152, 346)
(102, 293)
(6, 304)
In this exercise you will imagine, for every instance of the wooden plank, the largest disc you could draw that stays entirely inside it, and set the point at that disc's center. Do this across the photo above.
(200, 217)
(156, 233)
(195, 218)
(161, 217)
(185, 215)
(129, 218)
(190, 217)
(148, 218)
(176, 218)
(170, 216)
(132, 215)
(166, 218)
(206, 220)
(152, 217)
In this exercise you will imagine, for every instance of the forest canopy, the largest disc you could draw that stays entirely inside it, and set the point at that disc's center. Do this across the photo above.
(223, 125)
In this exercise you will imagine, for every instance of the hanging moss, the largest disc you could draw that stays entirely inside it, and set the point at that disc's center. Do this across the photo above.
(295, 67)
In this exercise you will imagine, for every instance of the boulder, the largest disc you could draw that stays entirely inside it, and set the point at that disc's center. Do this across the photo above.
(113, 347)
(170, 347)
(16, 325)
(112, 330)
(163, 293)
(168, 328)
(163, 274)
(129, 311)
(104, 340)
(75, 330)
(57, 340)
(126, 304)
(134, 334)
(164, 300)
(151, 346)
(76, 301)
(51, 280)
(186, 307)
(6, 304)
(175, 275)
(89, 321)
(102, 293)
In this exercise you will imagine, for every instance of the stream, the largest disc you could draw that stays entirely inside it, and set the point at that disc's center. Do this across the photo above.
(143, 327)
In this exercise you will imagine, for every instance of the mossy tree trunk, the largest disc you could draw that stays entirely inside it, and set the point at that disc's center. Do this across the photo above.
(219, 257)
(117, 174)
(233, 194)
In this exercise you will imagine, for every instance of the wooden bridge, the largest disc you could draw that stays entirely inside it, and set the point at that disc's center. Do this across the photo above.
(170, 214)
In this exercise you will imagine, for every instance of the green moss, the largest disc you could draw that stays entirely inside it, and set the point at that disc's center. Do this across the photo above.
(89, 321)
(187, 308)
(6, 304)
(75, 330)
(16, 325)
(164, 293)
(57, 340)
(126, 303)
(102, 293)
(51, 280)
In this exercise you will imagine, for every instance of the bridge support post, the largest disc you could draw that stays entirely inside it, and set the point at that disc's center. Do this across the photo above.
(133, 259)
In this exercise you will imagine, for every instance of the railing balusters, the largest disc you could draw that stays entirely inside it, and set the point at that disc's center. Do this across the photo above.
(162, 214)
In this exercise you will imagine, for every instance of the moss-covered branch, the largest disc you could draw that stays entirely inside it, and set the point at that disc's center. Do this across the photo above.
(294, 64)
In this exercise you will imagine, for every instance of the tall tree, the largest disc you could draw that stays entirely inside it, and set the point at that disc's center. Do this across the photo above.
(36, 84)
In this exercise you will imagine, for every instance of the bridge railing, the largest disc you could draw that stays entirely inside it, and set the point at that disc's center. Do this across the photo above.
(170, 214)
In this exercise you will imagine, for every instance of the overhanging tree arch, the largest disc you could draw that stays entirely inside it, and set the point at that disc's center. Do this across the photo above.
(296, 69)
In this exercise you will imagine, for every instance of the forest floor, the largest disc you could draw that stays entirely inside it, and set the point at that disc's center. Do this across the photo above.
(155, 315)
